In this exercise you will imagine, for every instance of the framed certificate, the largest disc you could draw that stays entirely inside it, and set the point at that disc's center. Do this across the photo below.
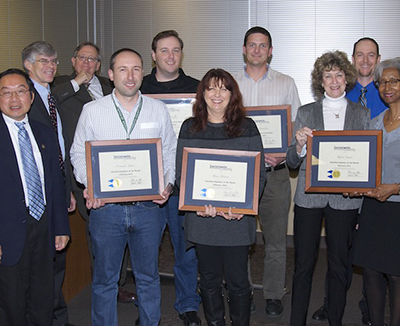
(125, 170)
(344, 161)
(180, 107)
(221, 178)
(275, 126)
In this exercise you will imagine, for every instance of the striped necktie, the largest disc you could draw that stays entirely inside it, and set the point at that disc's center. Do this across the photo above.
(362, 99)
(32, 178)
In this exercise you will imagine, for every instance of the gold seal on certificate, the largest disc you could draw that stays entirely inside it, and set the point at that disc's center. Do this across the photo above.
(125, 170)
(343, 161)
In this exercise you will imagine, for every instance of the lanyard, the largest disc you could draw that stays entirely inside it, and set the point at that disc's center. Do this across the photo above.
(121, 117)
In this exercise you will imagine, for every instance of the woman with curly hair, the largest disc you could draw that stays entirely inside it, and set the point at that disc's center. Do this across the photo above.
(222, 240)
(332, 75)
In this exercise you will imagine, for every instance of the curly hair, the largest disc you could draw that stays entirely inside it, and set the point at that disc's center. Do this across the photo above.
(234, 113)
(328, 61)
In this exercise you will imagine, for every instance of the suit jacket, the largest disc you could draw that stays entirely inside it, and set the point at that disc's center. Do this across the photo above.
(310, 115)
(13, 212)
(39, 113)
(71, 103)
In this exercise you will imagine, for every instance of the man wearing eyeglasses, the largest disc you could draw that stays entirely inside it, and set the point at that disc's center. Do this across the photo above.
(33, 212)
(40, 62)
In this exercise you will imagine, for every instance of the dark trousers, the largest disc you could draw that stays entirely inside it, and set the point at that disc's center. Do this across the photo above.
(339, 226)
(216, 261)
(26, 289)
(60, 313)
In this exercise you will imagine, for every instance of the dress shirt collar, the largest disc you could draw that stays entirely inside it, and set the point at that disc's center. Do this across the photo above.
(370, 87)
(43, 92)
(119, 104)
(11, 122)
(266, 75)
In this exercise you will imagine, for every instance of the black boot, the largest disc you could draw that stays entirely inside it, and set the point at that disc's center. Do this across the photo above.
(239, 308)
(213, 305)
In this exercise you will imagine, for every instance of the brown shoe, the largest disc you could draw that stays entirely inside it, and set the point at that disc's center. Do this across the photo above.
(125, 296)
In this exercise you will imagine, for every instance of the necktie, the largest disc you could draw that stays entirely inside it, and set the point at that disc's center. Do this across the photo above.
(90, 92)
(32, 178)
(52, 110)
(53, 118)
(362, 99)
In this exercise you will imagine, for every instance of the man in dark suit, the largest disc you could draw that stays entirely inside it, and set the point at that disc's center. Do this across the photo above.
(82, 86)
(32, 224)
(40, 61)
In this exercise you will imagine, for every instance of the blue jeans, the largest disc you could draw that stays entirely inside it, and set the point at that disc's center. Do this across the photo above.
(111, 228)
(185, 268)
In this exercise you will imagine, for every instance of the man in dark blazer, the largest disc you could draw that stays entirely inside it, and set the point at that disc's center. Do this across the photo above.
(40, 61)
(82, 86)
(27, 241)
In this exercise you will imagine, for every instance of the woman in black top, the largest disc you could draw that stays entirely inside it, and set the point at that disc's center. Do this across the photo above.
(222, 240)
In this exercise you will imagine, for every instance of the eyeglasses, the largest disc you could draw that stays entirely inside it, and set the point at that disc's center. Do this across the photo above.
(88, 59)
(19, 93)
(46, 62)
(392, 82)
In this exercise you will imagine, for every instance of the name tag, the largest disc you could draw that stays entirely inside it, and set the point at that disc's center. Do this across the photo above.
(149, 125)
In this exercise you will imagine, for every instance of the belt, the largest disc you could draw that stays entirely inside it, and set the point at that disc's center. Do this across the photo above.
(129, 203)
(276, 168)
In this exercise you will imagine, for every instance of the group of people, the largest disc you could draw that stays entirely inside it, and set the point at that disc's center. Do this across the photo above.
(360, 231)
(83, 107)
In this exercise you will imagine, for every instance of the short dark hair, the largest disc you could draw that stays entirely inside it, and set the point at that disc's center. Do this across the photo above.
(115, 54)
(80, 46)
(329, 61)
(234, 113)
(366, 39)
(16, 71)
(30, 52)
(257, 30)
(165, 34)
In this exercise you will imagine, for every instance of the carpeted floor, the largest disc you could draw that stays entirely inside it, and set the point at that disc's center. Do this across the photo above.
(80, 306)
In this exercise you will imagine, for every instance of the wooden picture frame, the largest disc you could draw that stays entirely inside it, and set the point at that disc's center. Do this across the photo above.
(179, 106)
(275, 125)
(222, 178)
(344, 161)
(125, 170)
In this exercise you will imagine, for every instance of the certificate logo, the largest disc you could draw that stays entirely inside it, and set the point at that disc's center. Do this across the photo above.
(334, 174)
(207, 193)
(114, 183)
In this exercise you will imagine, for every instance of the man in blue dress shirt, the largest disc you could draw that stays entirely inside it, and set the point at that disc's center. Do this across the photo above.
(366, 57)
